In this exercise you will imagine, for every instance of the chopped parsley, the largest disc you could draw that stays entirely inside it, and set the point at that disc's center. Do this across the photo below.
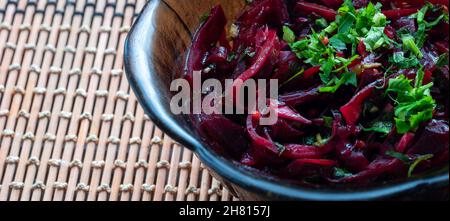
(325, 48)
(410, 45)
(383, 127)
(414, 104)
(404, 158)
(402, 62)
(341, 173)
(321, 22)
(442, 60)
(348, 78)
(423, 25)
(288, 35)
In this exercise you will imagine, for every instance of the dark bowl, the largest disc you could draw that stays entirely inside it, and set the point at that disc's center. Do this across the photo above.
(154, 53)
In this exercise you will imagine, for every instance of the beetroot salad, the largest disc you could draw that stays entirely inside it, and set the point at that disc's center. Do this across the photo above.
(363, 88)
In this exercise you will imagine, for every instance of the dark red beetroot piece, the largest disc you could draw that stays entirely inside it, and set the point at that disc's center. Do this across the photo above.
(208, 34)
(306, 7)
(433, 139)
(282, 149)
(352, 110)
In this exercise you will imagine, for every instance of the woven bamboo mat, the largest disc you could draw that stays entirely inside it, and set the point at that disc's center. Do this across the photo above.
(71, 128)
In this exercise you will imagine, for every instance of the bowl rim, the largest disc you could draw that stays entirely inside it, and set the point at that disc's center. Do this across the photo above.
(139, 71)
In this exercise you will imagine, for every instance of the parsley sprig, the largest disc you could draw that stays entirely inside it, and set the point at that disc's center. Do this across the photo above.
(414, 104)
(411, 54)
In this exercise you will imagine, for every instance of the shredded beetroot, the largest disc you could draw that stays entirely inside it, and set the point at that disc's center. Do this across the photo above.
(352, 110)
(398, 13)
(209, 34)
(306, 7)
(348, 134)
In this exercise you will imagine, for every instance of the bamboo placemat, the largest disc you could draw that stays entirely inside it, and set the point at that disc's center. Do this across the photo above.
(71, 128)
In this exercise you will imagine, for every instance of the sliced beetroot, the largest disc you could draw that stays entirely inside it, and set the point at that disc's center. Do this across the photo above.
(433, 139)
(208, 34)
(268, 51)
(305, 8)
(248, 160)
(311, 72)
(390, 32)
(258, 140)
(352, 110)
(442, 46)
(297, 151)
(405, 141)
(427, 77)
(340, 133)
(219, 129)
(362, 49)
(368, 76)
(264, 12)
(335, 4)
(284, 68)
(287, 113)
(218, 55)
(302, 97)
(398, 13)
(351, 156)
(308, 168)
(285, 132)
(375, 169)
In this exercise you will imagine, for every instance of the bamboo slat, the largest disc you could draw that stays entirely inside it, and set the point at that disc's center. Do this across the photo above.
(71, 129)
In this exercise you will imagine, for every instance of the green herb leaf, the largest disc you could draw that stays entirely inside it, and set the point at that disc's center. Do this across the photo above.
(421, 14)
(288, 35)
(328, 121)
(248, 53)
(379, 19)
(231, 57)
(300, 73)
(399, 85)
(309, 140)
(341, 173)
(402, 126)
(409, 44)
(346, 79)
(321, 22)
(331, 28)
(417, 161)
(419, 78)
(337, 43)
(414, 105)
(402, 62)
(380, 127)
(346, 22)
(442, 60)
(374, 39)
(326, 69)
(400, 156)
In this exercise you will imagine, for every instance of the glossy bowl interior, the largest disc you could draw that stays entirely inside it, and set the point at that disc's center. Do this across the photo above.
(154, 54)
